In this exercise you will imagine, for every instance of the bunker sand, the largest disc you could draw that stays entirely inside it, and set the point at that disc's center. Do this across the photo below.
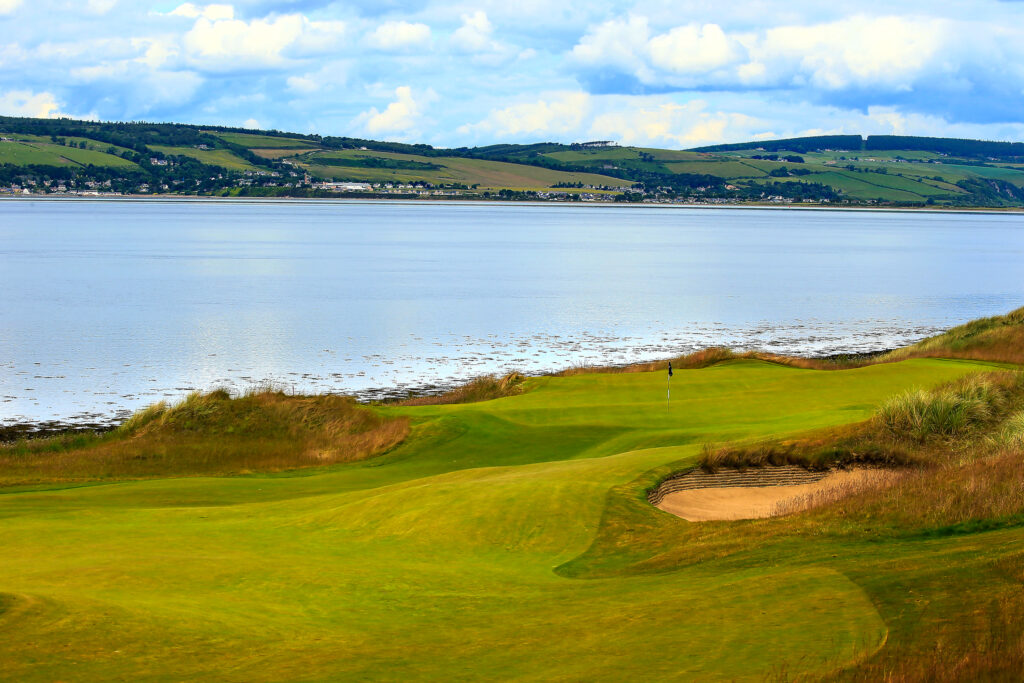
(757, 502)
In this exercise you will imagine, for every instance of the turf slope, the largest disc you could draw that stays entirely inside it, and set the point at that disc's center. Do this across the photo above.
(463, 554)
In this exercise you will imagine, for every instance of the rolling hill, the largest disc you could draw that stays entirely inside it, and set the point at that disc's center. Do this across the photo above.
(39, 155)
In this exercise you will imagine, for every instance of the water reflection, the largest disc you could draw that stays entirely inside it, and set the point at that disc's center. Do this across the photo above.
(108, 306)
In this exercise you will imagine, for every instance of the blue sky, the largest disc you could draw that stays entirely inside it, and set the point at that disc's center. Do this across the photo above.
(671, 74)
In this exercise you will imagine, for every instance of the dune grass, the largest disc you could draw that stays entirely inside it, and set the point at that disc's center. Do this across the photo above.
(210, 434)
(998, 338)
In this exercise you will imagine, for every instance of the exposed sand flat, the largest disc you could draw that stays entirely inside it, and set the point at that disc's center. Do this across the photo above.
(754, 502)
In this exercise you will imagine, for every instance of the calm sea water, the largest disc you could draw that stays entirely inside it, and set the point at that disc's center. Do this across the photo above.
(106, 306)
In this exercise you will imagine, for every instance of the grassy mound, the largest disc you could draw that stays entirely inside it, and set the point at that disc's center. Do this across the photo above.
(211, 434)
(999, 338)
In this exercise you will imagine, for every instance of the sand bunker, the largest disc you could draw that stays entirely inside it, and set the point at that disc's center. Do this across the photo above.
(738, 500)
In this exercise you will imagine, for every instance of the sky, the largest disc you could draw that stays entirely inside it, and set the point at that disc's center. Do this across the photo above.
(673, 73)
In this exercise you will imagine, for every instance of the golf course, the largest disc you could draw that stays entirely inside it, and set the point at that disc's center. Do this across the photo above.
(512, 538)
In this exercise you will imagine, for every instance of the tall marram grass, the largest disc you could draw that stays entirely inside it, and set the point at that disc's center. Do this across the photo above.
(212, 433)
(954, 409)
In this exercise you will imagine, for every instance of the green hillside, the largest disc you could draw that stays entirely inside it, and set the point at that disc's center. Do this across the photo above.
(823, 170)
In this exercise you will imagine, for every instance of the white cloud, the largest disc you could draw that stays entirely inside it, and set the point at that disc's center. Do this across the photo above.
(558, 114)
(400, 116)
(615, 43)
(669, 123)
(861, 51)
(140, 88)
(251, 123)
(100, 6)
(42, 105)
(886, 52)
(631, 120)
(8, 6)
(397, 35)
(474, 35)
(211, 12)
(229, 44)
(694, 49)
(303, 84)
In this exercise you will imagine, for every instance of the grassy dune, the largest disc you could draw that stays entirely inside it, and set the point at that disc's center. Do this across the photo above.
(510, 539)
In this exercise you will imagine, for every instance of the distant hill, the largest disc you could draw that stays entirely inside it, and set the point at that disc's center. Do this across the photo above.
(66, 156)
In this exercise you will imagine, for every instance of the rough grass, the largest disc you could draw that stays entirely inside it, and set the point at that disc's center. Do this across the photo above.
(965, 404)
(485, 388)
(896, 435)
(211, 433)
(998, 338)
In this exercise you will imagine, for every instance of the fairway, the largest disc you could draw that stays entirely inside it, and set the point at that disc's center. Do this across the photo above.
(463, 553)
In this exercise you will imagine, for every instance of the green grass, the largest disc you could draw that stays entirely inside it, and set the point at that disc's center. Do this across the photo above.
(487, 174)
(503, 540)
(48, 154)
(264, 141)
(214, 157)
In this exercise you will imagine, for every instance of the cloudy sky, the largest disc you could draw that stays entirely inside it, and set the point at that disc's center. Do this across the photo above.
(673, 74)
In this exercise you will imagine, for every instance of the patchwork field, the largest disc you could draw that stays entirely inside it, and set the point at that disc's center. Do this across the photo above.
(487, 174)
(505, 539)
(214, 157)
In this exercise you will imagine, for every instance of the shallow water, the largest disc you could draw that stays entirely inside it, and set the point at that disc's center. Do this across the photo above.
(108, 306)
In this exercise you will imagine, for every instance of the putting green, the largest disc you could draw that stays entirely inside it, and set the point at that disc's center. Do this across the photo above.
(437, 560)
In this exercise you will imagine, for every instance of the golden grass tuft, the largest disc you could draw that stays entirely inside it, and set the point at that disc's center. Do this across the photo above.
(485, 388)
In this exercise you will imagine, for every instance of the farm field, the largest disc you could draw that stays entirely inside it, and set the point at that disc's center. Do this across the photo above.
(253, 141)
(214, 157)
(503, 539)
(48, 154)
(487, 174)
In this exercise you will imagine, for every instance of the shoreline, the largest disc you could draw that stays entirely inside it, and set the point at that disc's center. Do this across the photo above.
(170, 198)
(98, 424)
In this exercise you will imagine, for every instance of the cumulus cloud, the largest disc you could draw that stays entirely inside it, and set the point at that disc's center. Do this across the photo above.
(648, 120)
(670, 124)
(399, 117)
(858, 60)
(100, 6)
(211, 12)
(398, 35)
(42, 105)
(304, 85)
(231, 44)
(474, 35)
(558, 114)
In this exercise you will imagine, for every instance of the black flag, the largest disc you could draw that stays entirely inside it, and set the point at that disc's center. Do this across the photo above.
(670, 369)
